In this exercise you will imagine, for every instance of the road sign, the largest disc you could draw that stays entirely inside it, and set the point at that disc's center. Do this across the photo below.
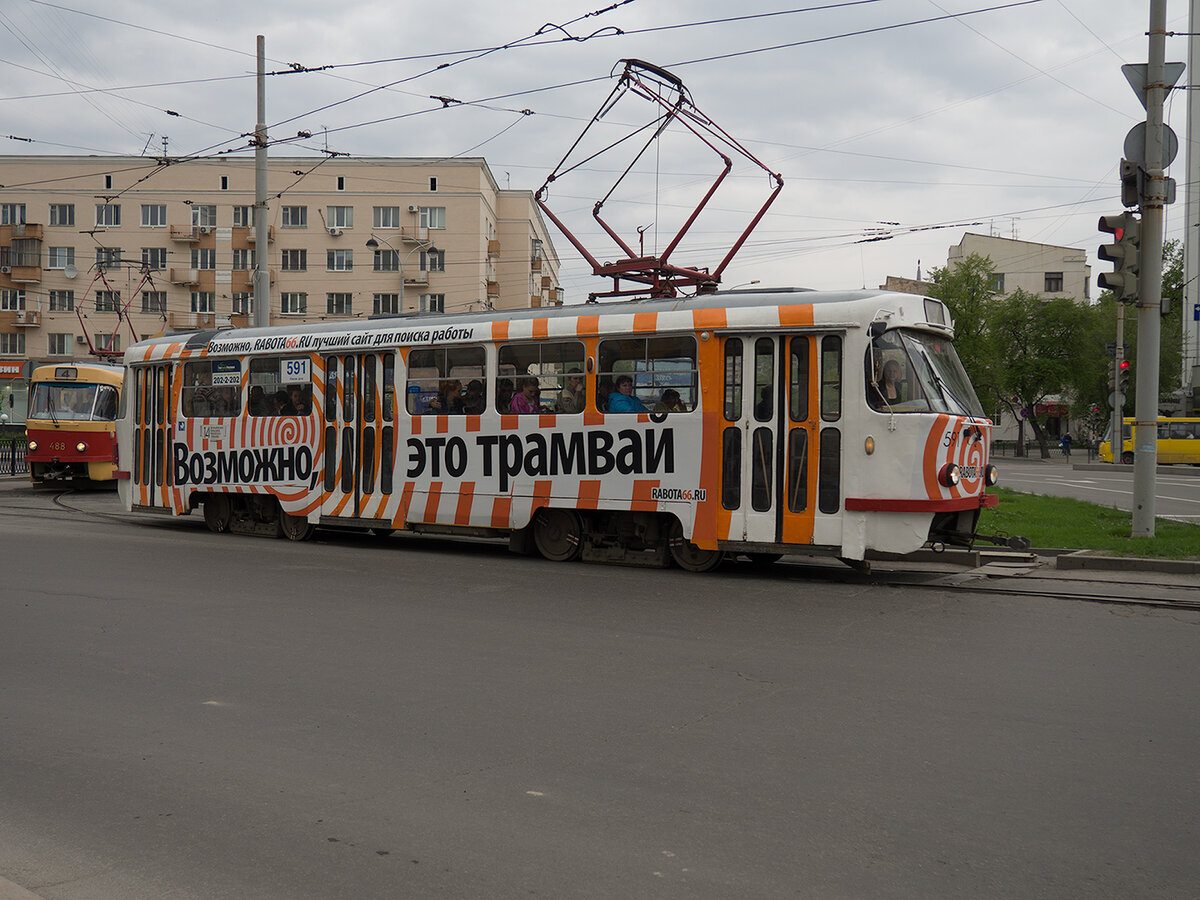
(1135, 74)
(1135, 145)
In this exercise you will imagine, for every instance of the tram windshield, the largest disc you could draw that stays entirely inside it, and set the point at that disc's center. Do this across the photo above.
(73, 402)
(914, 371)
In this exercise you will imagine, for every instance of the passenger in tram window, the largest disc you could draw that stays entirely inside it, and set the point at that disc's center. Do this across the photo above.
(474, 402)
(763, 408)
(670, 402)
(448, 401)
(526, 401)
(300, 405)
(504, 394)
(604, 388)
(623, 399)
(572, 398)
(258, 401)
(284, 404)
(224, 402)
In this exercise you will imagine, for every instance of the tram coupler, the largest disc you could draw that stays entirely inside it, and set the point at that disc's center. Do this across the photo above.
(1011, 541)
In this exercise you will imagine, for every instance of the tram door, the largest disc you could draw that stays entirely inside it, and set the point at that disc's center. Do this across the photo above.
(359, 434)
(152, 440)
(769, 430)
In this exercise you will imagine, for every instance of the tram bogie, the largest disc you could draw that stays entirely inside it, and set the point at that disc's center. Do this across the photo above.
(646, 433)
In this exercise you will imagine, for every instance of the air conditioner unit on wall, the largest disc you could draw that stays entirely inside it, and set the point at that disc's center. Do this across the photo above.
(4, 270)
(205, 229)
(414, 208)
(80, 339)
(335, 232)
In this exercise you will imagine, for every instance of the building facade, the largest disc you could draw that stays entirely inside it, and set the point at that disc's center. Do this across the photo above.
(95, 251)
(1042, 269)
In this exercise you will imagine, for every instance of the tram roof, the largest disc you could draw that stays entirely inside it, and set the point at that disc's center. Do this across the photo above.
(734, 299)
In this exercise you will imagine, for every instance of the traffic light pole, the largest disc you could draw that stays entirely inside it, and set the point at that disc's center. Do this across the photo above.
(1117, 442)
(1149, 307)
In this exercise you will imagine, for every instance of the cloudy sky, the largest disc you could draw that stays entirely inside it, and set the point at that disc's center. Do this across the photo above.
(897, 125)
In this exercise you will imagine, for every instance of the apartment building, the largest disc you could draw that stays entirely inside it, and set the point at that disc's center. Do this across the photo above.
(95, 250)
(1042, 269)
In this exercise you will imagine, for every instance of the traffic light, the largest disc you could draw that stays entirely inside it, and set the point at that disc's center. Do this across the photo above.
(1131, 184)
(1123, 369)
(1126, 229)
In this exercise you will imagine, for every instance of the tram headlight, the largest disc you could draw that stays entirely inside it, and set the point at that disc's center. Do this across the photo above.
(81, 447)
(33, 445)
(950, 475)
(991, 475)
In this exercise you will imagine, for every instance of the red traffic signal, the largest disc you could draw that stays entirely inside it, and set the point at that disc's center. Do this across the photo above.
(1123, 365)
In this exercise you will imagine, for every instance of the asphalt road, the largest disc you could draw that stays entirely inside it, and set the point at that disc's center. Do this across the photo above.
(1177, 487)
(186, 715)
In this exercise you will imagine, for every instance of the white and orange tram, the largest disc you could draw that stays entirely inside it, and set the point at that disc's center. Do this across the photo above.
(756, 422)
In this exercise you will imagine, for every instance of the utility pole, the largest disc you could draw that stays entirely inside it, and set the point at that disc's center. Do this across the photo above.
(1191, 239)
(1149, 304)
(262, 271)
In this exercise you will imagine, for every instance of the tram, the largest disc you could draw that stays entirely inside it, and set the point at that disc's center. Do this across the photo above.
(71, 423)
(752, 423)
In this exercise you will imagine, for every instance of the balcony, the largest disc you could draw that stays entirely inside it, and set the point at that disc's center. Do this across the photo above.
(493, 289)
(189, 233)
(30, 317)
(546, 282)
(26, 274)
(421, 279)
(493, 248)
(21, 230)
(185, 276)
(415, 234)
(191, 321)
(536, 264)
(252, 234)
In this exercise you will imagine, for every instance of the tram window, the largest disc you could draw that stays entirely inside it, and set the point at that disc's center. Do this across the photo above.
(212, 387)
(731, 468)
(763, 461)
(891, 382)
(368, 460)
(798, 380)
(330, 393)
(331, 455)
(797, 477)
(389, 387)
(349, 370)
(764, 379)
(733, 382)
(106, 403)
(385, 467)
(829, 471)
(368, 390)
(656, 365)
(550, 365)
(831, 378)
(432, 371)
(280, 386)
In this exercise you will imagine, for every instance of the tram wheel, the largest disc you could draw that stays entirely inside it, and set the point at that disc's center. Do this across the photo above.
(688, 556)
(295, 528)
(218, 513)
(558, 534)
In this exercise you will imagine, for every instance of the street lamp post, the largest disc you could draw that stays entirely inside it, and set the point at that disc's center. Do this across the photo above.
(373, 243)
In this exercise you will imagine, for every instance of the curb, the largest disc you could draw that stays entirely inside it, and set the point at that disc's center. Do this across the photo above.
(1076, 560)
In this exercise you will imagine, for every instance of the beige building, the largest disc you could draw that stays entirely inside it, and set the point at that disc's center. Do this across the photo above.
(1042, 269)
(174, 247)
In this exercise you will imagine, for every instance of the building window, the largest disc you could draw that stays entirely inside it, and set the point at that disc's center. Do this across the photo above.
(204, 302)
(108, 301)
(295, 260)
(433, 303)
(12, 344)
(432, 217)
(339, 260)
(154, 302)
(62, 213)
(108, 215)
(1054, 282)
(433, 260)
(60, 257)
(387, 261)
(108, 258)
(11, 300)
(243, 258)
(106, 341)
(243, 216)
(339, 216)
(224, 182)
(339, 304)
(294, 303)
(243, 303)
(204, 215)
(12, 213)
(432, 183)
(108, 182)
(341, 182)
(294, 217)
(997, 282)
(154, 258)
(385, 305)
(204, 258)
(58, 344)
(154, 215)
(62, 301)
(386, 217)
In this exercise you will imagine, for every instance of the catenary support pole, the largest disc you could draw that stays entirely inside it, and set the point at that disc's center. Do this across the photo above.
(1191, 233)
(1149, 312)
(262, 271)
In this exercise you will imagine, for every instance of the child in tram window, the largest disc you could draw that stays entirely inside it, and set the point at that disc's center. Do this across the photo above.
(670, 402)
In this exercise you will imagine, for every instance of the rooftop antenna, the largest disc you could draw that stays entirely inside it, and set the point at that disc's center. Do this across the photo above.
(164, 143)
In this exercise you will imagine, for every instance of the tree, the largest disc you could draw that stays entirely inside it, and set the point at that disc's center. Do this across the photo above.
(966, 289)
(1038, 343)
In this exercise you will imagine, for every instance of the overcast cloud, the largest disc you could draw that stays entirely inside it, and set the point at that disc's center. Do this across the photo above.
(1010, 120)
